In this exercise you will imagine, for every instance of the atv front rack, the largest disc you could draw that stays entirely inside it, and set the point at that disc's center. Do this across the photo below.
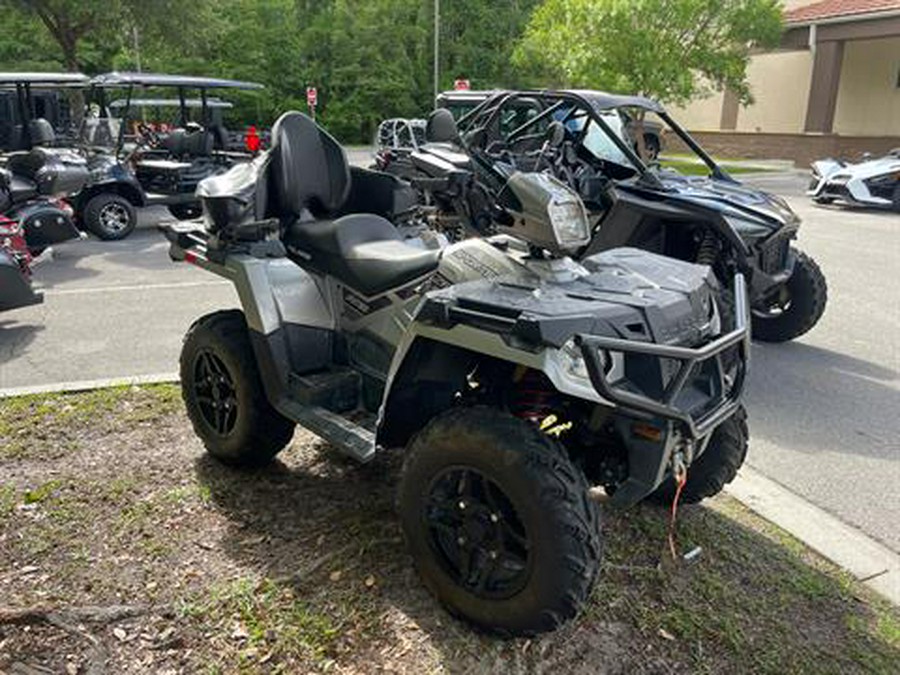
(723, 400)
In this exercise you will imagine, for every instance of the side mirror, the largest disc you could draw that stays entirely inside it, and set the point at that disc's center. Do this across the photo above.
(441, 127)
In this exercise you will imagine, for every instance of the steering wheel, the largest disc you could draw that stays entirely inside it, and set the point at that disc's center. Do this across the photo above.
(148, 137)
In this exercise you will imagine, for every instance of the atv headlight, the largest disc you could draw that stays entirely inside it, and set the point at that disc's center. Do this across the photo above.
(570, 223)
(572, 361)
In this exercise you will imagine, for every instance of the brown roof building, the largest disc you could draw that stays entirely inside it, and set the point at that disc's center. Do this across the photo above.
(832, 88)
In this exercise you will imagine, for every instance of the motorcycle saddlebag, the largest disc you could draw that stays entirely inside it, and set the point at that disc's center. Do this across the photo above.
(15, 289)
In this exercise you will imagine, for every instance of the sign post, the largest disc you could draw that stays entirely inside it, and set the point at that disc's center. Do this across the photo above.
(312, 98)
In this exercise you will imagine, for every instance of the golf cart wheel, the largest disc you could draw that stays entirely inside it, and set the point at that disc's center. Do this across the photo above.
(224, 395)
(499, 522)
(798, 307)
(185, 211)
(715, 468)
(110, 216)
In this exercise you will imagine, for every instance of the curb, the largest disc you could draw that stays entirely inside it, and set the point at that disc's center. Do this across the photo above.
(86, 385)
(868, 560)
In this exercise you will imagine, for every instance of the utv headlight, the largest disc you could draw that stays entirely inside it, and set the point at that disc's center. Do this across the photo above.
(570, 223)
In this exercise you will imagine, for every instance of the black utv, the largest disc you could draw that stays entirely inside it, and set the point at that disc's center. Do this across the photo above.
(584, 138)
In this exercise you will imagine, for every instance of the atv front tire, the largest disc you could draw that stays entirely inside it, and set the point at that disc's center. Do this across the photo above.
(499, 521)
(110, 216)
(223, 393)
(715, 468)
(806, 295)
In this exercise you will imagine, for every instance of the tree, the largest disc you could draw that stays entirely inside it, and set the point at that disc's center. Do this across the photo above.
(671, 50)
(90, 33)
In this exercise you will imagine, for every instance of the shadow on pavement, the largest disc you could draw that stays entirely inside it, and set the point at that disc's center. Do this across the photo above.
(15, 338)
(792, 384)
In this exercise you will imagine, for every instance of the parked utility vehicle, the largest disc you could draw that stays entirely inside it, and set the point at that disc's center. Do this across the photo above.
(515, 378)
(710, 219)
(872, 182)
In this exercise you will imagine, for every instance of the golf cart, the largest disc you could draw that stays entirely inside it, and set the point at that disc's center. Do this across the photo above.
(38, 176)
(581, 138)
(32, 110)
(147, 168)
(514, 378)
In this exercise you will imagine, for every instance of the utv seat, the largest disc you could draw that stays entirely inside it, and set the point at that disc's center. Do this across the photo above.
(309, 183)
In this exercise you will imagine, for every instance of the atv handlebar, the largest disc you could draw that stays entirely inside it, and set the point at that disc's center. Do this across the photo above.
(727, 396)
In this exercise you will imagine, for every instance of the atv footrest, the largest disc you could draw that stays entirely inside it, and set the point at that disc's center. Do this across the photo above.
(347, 436)
(336, 390)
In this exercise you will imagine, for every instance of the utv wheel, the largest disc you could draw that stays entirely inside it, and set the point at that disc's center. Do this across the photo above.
(110, 216)
(224, 395)
(799, 307)
(499, 522)
(185, 211)
(715, 468)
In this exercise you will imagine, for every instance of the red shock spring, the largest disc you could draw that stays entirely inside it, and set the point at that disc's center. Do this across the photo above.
(533, 398)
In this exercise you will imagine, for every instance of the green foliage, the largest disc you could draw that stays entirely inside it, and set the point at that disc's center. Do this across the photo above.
(672, 50)
(372, 59)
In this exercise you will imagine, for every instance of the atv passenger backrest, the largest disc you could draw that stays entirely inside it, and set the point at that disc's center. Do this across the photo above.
(441, 127)
(40, 132)
(307, 170)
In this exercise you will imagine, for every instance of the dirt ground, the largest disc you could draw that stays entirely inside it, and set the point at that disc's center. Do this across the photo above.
(125, 549)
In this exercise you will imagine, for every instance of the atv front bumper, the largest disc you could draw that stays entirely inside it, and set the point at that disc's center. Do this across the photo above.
(703, 386)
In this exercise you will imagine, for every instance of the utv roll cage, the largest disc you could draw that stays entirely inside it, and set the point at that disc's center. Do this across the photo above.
(591, 103)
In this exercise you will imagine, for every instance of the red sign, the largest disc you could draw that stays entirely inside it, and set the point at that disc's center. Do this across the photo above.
(461, 85)
(312, 97)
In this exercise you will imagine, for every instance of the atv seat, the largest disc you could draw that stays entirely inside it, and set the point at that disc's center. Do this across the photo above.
(364, 251)
(309, 183)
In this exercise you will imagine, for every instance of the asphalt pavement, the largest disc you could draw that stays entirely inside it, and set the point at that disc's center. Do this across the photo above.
(824, 409)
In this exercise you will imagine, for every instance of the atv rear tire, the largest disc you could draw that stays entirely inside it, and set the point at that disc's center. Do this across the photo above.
(185, 211)
(224, 396)
(499, 521)
(715, 468)
(807, 292)
(110, 216)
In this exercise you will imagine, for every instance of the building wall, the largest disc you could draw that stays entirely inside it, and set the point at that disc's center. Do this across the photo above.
(703, 114)
(780, 84)
(869, 98)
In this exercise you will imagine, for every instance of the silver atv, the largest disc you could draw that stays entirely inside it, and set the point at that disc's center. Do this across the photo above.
(519, 384)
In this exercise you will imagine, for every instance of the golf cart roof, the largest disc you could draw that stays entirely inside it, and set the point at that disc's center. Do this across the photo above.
(43, 79)
(171, 102)
(116, 79)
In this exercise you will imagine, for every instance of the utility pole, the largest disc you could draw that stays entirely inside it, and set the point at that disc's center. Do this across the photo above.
(137, 48)
(437, 44)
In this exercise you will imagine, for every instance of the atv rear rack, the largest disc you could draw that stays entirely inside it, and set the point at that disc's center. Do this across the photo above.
(690, 360)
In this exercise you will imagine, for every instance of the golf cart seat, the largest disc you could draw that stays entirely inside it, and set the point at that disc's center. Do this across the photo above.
(309, 182)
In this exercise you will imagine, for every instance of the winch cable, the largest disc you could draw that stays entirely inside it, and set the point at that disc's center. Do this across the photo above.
(680, 480)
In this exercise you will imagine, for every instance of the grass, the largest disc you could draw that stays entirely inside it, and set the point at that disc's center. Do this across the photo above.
(57, 424)
(689, 168)
(300, 567)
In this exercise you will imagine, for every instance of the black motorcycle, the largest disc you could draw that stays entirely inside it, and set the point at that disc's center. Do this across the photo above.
(581, 138)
